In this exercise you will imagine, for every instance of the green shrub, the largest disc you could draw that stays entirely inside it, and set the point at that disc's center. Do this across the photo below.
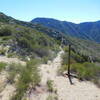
(26, 41)
(32, 66)
(52, 97)
(64, 59)
(62, 69)
(5, 38)
(77, 57)
(45, 60)
(13, 70)
(10, 55)
(11, 77)
(66, 49)
(5, 31)
(2, 51)
(86, 71)
(29, 75)
(22, 85)
(50, 85)
(2, 66)
(41, 51)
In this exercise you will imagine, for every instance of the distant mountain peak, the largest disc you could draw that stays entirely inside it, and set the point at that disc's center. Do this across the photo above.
(86, 30)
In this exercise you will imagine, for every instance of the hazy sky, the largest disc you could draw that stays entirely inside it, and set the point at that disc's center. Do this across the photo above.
(69, 10)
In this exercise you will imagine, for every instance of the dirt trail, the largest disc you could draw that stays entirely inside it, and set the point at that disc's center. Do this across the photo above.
(7, 93)
(65, 91)
(11, 60)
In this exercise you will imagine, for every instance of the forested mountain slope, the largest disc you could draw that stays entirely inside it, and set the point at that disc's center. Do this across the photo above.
(87, 30)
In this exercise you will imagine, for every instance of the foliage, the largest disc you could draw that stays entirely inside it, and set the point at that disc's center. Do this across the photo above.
(5, 31)
(2, 51)
(32, 66)
(35, 36)
(29, 75)
(13, 70)
(45, 59)
(2, 66)
(81, 66)
(62, 69)
(50, 85)
(87, 71)
(85, 30)
(9, 55)
(52, 97)
(26, 41)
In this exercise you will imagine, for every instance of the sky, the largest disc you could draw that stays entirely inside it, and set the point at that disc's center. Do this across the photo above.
(66, 10)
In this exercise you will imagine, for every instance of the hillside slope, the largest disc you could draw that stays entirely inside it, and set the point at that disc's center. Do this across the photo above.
(87, 30)
(32, 33)
(17, 40)
(36, 78)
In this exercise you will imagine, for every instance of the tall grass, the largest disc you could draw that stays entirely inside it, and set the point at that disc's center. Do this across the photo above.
(13, 70)
(50, 85)
(2, 66)
(86, 71)
(52, 97)
(29, 75)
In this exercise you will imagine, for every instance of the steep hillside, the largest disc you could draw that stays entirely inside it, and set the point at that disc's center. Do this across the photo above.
(88, 30)
(30, 36)
(92, 29)
(82, 46)
(16, 40)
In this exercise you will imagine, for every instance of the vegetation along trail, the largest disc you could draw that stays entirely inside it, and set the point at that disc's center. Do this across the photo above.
(54, 86)
(7, 89)
(64, 91)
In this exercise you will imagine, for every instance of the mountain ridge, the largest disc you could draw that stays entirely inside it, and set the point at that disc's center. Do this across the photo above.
(86, 30)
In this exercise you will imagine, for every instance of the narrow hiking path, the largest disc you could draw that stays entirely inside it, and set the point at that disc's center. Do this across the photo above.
(65, 91)
(11, 60)
(7, 93)
(47, 71)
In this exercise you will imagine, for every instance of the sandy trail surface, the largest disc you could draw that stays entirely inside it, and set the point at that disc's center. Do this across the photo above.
(7, 93)
(11, 60)
(65, 91)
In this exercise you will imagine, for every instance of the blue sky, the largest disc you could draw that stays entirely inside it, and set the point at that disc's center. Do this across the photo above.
(69, 10)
